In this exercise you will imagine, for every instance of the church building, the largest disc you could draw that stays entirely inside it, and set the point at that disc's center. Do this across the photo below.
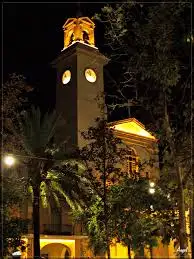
(79, 100)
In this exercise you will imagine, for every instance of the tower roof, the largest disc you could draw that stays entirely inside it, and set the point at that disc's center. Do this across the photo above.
(79, 29)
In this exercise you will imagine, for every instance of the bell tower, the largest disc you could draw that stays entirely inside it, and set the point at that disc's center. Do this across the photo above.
(80, 81)
(78, 29)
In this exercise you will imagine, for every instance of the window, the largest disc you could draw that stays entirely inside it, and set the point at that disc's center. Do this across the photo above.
(85, 37)
(131, 162)
(71, 38)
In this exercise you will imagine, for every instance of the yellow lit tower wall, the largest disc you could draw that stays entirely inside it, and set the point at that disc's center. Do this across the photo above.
(80, 80)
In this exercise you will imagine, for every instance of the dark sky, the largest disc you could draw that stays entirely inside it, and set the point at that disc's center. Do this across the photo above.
(33, 37)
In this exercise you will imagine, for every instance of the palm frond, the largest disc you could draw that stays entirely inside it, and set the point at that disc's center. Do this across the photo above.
(51, 175)
(30, 190)
(43, 194)
(30, 126)
(68, 196)
(56, 198)
(37, 131)
(48, 127)
(62, 179)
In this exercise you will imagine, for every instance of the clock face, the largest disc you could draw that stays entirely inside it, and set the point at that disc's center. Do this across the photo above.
(90, 75)
(66, 77)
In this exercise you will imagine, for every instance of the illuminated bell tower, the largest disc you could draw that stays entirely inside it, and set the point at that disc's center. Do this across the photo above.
(80, 81)
(79, 29)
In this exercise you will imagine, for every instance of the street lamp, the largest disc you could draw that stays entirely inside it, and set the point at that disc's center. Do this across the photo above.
(152, 184)
(9, 160)
(152, 189)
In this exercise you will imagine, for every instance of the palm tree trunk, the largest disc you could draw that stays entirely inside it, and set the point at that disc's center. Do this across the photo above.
(36, 221)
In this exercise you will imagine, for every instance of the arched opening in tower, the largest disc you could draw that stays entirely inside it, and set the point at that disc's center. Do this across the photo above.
(71, 38)
(85, 37)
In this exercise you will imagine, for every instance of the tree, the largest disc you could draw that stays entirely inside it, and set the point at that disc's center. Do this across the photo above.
(152, 44)
(15, 92)
(102, 157)
(92, 219)
(135, 219)
(49, 173)
(31, 142)
(139, 218)
(13, 226)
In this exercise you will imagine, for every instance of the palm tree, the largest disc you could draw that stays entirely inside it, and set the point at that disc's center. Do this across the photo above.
(49, 173)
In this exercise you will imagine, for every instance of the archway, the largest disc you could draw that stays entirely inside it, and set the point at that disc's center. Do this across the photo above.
(67, 254)
(71, 38)
(55, 250)
(85, 37)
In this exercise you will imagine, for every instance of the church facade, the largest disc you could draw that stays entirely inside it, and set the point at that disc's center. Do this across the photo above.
(79, 100)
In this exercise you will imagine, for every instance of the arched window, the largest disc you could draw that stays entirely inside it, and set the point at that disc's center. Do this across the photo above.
(131, 163)
(85, 37)
(71, 38)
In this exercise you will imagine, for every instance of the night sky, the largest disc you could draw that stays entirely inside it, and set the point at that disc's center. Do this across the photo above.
(33, 37)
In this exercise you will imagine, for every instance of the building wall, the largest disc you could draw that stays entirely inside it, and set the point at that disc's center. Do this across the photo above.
(76, 101)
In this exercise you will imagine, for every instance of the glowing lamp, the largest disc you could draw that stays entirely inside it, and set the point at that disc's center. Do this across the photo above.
(151, 190)
(9, 160)
(17, 253)
(152, 184)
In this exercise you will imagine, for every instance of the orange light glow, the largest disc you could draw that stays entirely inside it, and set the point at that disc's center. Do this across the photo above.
(79, 29)
(132, 126)
(53, 240)
(52, 244)
(47, 241)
